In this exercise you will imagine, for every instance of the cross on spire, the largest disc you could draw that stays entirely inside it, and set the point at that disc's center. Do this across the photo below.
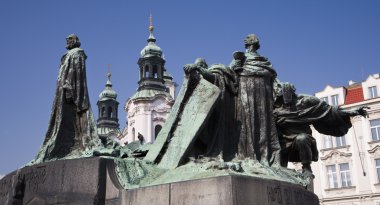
(151, 28)
(150, 23)
(108, 72)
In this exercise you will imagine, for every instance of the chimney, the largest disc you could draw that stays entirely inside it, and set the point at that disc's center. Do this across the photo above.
(351, 82)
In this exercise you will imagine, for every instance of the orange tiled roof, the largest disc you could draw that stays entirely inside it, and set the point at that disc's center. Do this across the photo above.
(354, 95)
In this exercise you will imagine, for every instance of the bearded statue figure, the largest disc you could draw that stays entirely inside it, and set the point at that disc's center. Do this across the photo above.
(72, 129)
(254, 103)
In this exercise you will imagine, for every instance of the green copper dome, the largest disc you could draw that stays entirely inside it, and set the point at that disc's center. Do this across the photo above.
(149, 94)
(108, 93)
(151, 49)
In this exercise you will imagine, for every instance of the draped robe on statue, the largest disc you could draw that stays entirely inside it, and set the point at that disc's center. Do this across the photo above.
(258, 134)
(238, 122)
(309, 110)
(71, 130)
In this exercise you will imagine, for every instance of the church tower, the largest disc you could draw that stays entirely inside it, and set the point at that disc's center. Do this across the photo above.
(107, 110)
(150, 106)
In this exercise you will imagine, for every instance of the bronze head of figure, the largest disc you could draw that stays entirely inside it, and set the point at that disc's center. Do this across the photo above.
(201, 62)
(288, 93)
(72, 41)
(251, 42)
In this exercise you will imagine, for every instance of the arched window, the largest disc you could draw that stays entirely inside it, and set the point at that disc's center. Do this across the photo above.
(146, 71)
(103, 113)
(157, 130)
(133, 134)
(109, 111)
(155, 71)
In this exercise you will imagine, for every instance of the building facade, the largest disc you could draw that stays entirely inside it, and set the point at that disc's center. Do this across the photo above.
(348, 170)
(148, 109)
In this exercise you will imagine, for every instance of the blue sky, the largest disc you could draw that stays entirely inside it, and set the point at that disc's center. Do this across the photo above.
(310, 43)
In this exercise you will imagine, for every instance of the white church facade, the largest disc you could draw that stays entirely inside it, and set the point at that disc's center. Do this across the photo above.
(148, 109)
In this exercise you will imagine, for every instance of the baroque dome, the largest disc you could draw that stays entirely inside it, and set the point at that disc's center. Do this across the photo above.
(151, 49)
(108, 92)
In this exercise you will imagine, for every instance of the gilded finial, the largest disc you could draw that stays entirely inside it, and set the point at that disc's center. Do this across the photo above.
(150, 24)
(108, 72)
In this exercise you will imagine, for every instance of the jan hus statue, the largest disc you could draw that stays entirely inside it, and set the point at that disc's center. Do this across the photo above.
(239, 124)
(71, 131)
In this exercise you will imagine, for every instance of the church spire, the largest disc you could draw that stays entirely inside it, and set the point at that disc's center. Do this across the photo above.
(108, 109)
(150, 24)
(151, 63)
(108, 93)
(108, 84)
(151, 28)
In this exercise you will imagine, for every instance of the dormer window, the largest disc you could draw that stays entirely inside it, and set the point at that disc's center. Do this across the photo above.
(372, 92)
(325, 99)
(335, 100)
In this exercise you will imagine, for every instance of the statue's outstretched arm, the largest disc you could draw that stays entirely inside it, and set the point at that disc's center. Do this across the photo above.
(362, 111)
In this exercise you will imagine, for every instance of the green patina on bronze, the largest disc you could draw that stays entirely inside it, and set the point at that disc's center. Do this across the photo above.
(225, 121)
(72, 129)
(134, 173)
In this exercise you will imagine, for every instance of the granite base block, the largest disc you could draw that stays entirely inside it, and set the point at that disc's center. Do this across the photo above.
(76, 181)
(94, 181)
(223, 190)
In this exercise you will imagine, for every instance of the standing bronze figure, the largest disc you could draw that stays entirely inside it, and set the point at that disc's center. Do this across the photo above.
(254, 103)
(71, 131)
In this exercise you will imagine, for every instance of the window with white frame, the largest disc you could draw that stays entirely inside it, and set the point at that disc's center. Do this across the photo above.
(335, 180)
(332, 176)
(340, 141)
(345, 177)
(375, 129)
(328, 142)
(372, 92)
(378, 169)
(335, 100)
(326, 99)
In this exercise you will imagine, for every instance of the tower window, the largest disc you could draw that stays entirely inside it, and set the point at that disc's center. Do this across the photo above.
(133, 134)
(109, 111)
(146, 71)
(157, 130)
(155, 71)
(103, 113)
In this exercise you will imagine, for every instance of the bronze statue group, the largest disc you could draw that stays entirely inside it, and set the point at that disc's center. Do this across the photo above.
(262, 118)
(255, 116)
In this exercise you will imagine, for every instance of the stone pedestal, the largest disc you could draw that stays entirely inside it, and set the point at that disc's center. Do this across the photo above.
(93, 181)
(223, 190)
(76, 181)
